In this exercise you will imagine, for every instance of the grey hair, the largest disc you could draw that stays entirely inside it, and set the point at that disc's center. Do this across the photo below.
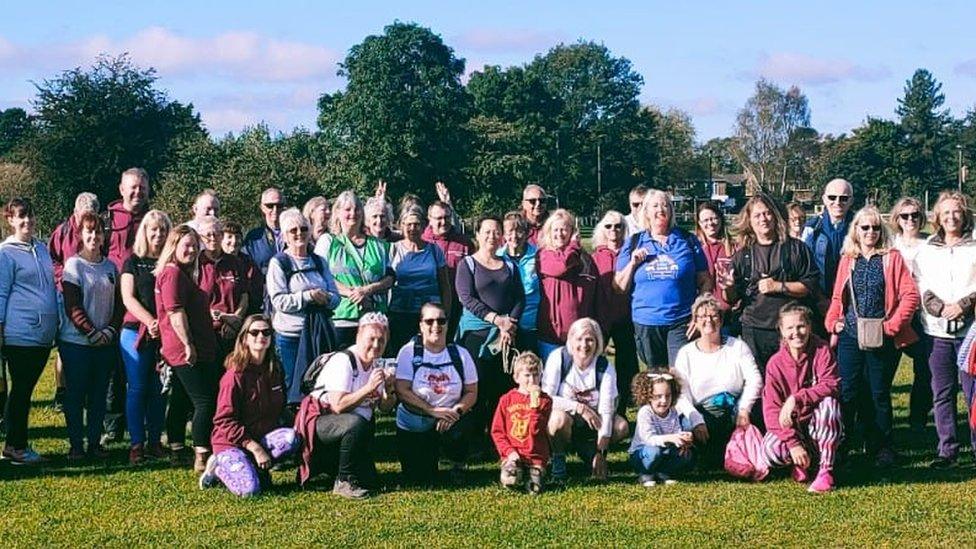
(292, 216)
(87, 202)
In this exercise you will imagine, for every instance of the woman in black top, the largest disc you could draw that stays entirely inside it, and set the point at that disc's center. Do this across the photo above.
(139, 340)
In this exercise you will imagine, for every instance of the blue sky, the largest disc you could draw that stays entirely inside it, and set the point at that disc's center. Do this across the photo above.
(242, 62)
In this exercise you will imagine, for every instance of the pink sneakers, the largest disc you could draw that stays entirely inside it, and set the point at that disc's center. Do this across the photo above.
(822, 484)
(800, 474)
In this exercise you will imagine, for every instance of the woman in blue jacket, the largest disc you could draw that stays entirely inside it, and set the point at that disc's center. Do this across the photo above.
(28, 321)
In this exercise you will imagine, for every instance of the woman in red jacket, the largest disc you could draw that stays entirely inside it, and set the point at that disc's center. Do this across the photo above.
(567, 278)
(611, 309)
(246, 437)
(873, 282)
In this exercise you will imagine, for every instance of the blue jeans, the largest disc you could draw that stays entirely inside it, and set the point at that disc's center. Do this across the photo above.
(666, 460)
(865, 389)
(658, 346)
(288, 353)
(145, 405)
(86, 372)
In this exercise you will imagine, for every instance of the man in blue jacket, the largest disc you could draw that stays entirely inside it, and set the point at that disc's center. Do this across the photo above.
(824, 235)
(264, 242)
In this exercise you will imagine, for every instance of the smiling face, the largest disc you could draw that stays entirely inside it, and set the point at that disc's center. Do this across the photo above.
(534, 205)
(295, 234)
(710, 224)
(231, 243)
(657, 208)
(708, 320)
(210, 237)
(515, 236)
(258, 337)
(371, 342)
(348, 216)
(91, 239)
(795, 331)
(582, 346)
(376, 221)
(206, 205)
(661, 398)
(272, 203)
(763, 221)
(837, 199)
(613, 230)
(910, 220)
(156, 234)
(561, 232)
(489, 235)
(21, 224)
(187, 250)
(433, 327)
(439, 220)
(134, 191)
(868, 230)
(951, 217)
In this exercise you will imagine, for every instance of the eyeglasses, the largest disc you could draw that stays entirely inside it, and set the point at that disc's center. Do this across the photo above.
(707, 317)
(273, 205)
(440, 321)
(254, 332)
(915, 216)
(614, 226)
(866, 228)
(842, 198)
(535, 201)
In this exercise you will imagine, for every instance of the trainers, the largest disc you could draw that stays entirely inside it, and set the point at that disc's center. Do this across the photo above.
(800, 474)
(666, 480)
(823, 483)
(942, 463)
(155, 450)
(534, 483)
(557, 470)
(510, 474)
(348, 490)
(137, 454)
(108, 437)
(26, 456)
(58, 403)
(647, 481)
(200, 460)
(208, 478)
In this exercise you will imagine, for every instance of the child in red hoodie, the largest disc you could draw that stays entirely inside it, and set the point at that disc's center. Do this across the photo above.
(519, 426)
(800, 401)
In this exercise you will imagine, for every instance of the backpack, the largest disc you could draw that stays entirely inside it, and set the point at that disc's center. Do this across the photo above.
(311, 375)
(469, 261)
(452, 350)
(566, 363)
(745, 456)
(288, 265)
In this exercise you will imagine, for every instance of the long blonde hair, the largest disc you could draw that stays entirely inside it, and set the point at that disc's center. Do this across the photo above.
(743, 227)
(140, 244)
(852, 242)
(644, 219)
(169, 249)
(545, 236)
(967, 214)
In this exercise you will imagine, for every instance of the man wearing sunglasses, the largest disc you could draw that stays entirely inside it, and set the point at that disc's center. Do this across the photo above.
(535, 210)
(824, 235)
(635, 199)
(264, 242)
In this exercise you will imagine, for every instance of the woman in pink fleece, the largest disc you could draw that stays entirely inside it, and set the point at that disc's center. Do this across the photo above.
(800, 401)
(567, 277)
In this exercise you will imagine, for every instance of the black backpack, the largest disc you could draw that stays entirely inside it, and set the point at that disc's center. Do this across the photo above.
(452, 350)
(288, 265)
(311, 375)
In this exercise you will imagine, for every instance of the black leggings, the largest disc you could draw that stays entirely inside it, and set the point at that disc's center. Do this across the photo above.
(193, 386)
(419, 452)
(344, 442)
(25, 365)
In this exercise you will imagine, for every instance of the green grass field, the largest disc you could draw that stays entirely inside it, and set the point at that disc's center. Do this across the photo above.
(116, 505)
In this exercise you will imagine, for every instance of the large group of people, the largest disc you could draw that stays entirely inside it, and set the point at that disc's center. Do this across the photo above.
(284, 343)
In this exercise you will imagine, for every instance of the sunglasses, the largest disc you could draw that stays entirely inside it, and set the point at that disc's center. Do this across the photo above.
(635, 205)
(912, 215)
(298, 230)
(842, 198)
(665, 377)
(440, 321)
(866, 228)
(254, 332)
(273, 205)
(535, 201)
(614, 226)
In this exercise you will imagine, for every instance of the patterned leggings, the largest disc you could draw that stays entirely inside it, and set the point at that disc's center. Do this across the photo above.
(825, 431)
(238, 471)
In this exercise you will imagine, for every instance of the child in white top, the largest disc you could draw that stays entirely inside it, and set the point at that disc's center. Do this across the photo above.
(663, 443)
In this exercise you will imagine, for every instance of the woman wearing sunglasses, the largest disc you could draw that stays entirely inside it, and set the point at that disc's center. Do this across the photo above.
(907, 221)
(437, 384)
(873, 283)
(246, 437)
(303, 295)
(716, 243)
(612, 309)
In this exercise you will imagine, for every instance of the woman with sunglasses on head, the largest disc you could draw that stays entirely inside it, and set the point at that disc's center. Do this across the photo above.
(612, 309)
(303, 296)
(247, 438)
(947, 282)
(437, 385)
(907, 221)
(873, 282)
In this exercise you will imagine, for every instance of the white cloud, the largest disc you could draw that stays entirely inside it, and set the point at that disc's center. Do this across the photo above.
(797, 68)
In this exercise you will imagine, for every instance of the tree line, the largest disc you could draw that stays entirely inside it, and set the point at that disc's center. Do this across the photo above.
(569, 119)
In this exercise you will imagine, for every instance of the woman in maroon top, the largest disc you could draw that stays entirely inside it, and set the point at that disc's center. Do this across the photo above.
(567, 278)
(187, 339)
(224, 279)
(246, 438)
(716, 243)
(611, 309)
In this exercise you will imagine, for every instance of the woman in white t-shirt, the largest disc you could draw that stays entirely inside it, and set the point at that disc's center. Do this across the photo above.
(719, 380)
(353, 392)
(583, 387)
(437, 384)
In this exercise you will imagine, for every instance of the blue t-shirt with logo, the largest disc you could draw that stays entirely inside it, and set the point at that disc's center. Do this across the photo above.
(666, 283)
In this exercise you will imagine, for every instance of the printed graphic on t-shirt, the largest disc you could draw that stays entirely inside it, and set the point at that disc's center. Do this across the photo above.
(439, 382)
(519, 417)
(661, 267)
(590, 397)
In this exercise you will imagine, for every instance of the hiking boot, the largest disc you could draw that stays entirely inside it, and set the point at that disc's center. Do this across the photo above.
(557, 469)
(800, 474)
(58, 403)
(647, 481)
(534, 483)
(822, 484)
(348, 490)
(208, 478)
(25, 456)
(137, 454)
(200, 461)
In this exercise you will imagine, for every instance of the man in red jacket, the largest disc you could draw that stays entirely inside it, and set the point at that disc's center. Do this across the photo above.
(441, 231)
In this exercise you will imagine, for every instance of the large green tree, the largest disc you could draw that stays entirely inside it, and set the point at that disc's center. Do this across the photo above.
(872, 159)
(402, 115)
(925, 125)
(92, 124)
(15, 126)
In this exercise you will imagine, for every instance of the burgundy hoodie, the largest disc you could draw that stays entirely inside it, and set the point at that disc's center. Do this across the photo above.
(568, 283)
(609, 307)
(249, 404)
(122, 232)
(810, 379)
(454, 245)
(65, 242)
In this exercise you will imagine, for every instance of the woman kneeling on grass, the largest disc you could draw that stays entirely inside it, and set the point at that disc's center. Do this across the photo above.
(336, 418)
(246, 438)
(583, 386)
(800, 403)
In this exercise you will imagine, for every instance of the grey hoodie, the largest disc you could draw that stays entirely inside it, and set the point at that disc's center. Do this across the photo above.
(28, 299)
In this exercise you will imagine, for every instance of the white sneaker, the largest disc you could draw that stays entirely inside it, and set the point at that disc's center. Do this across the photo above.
(27, 456)
(647, 481)
(208, 479)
